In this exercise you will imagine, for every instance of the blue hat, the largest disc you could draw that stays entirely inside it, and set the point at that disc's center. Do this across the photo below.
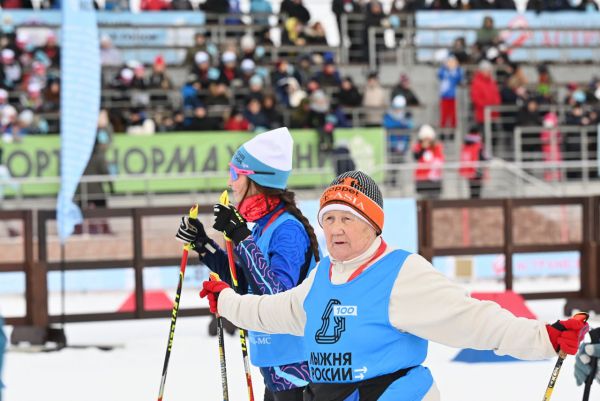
(268, 154)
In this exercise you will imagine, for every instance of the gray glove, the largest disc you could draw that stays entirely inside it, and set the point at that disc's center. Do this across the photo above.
(582, 363)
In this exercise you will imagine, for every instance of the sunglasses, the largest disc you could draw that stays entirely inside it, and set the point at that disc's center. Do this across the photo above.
(235, 172)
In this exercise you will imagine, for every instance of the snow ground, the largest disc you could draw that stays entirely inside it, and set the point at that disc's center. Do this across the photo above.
(132, 372)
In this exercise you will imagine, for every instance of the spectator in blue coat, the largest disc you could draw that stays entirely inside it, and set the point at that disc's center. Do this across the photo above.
(450, 76)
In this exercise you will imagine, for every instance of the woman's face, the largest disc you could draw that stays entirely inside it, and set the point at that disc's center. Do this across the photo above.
(241, 188)
(238, 187)
(347, 235)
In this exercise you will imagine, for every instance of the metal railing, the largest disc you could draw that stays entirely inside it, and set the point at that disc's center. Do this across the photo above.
(389, 47)
(36, 269)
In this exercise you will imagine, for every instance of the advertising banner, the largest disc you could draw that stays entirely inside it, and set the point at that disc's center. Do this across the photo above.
(576, 32)
(191, 153)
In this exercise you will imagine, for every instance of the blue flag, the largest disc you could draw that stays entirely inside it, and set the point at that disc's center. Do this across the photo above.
(80, 105)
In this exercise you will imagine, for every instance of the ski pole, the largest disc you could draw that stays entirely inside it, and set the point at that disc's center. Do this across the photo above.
(221, 336)
(561, 358)
(595, 336)
(224, 200)
(186, 248)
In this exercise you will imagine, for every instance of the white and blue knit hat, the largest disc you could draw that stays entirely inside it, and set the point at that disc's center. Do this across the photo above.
(270, 155)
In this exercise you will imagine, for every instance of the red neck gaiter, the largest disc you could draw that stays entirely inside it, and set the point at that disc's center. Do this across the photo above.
(256, 206)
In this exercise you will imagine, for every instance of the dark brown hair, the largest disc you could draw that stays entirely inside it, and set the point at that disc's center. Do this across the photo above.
(289, 200)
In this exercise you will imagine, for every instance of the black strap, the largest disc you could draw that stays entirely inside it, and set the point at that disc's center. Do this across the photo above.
(369, 390)
(307, 260)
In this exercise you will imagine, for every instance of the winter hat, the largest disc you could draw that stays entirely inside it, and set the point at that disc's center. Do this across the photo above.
(357, 193)
(201, 57)
(7, 55)
(398, 102)
(228, 57)
(247, 65)
(269, 155)
(426, 132)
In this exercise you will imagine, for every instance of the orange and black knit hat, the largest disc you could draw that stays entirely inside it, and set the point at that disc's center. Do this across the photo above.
(357, 193)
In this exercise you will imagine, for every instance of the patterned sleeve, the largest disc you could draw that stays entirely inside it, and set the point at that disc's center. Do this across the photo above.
(219, 263)
(287, 252)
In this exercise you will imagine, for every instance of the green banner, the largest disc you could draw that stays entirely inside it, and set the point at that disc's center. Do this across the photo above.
(206, 153)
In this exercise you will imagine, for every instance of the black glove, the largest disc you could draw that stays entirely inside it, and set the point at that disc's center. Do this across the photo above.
(191, 231)
(229, 221)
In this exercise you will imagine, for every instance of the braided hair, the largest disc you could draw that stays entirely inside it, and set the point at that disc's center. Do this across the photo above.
(289, 200)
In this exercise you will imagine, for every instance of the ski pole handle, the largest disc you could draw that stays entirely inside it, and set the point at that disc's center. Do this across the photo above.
(561, 358)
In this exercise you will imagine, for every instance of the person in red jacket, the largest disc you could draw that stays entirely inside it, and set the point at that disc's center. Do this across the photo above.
(484, 91)
(429, 154)
(471, 153)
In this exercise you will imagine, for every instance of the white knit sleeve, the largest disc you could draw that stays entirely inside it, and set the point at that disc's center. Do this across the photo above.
(281, 313)
(427, 304)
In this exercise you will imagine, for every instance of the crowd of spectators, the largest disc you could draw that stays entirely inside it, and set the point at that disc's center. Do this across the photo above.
(234, 85)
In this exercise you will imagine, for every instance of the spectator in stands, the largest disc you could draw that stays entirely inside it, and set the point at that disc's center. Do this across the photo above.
(8, 124)
(487, 35)
(159, 79)
(472, 153)
(459, 50)
(32, 98)
(269, 107)
(256, 86)
(96, 195)
(374, 99)
(250, 50)
(109, 54)
(341, 7)
(200, 45)
(484, 91)
(295, 9)
(293, 33)
(300, 114)
(236, 121)
(312, 85)
(51, 49)
(294, 92)
(11, 72)
(37, 75)
(200, 120)
(140, 123)
(51, 96)
(315, 35)
(218, 95)
(304, 68)
(395, 121)
(139, 75)
(545, 80)
(259, 10)
(201, 69)
(280, 79)
(403, 88)
(320, 119)
(329, 76)
(374, 18)
(551, 140)
(429, 155)
(264, 37)
(348, 94)
(450, 76)
(529, 114)
(256, 118)
(247, 68)
(229, 72)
